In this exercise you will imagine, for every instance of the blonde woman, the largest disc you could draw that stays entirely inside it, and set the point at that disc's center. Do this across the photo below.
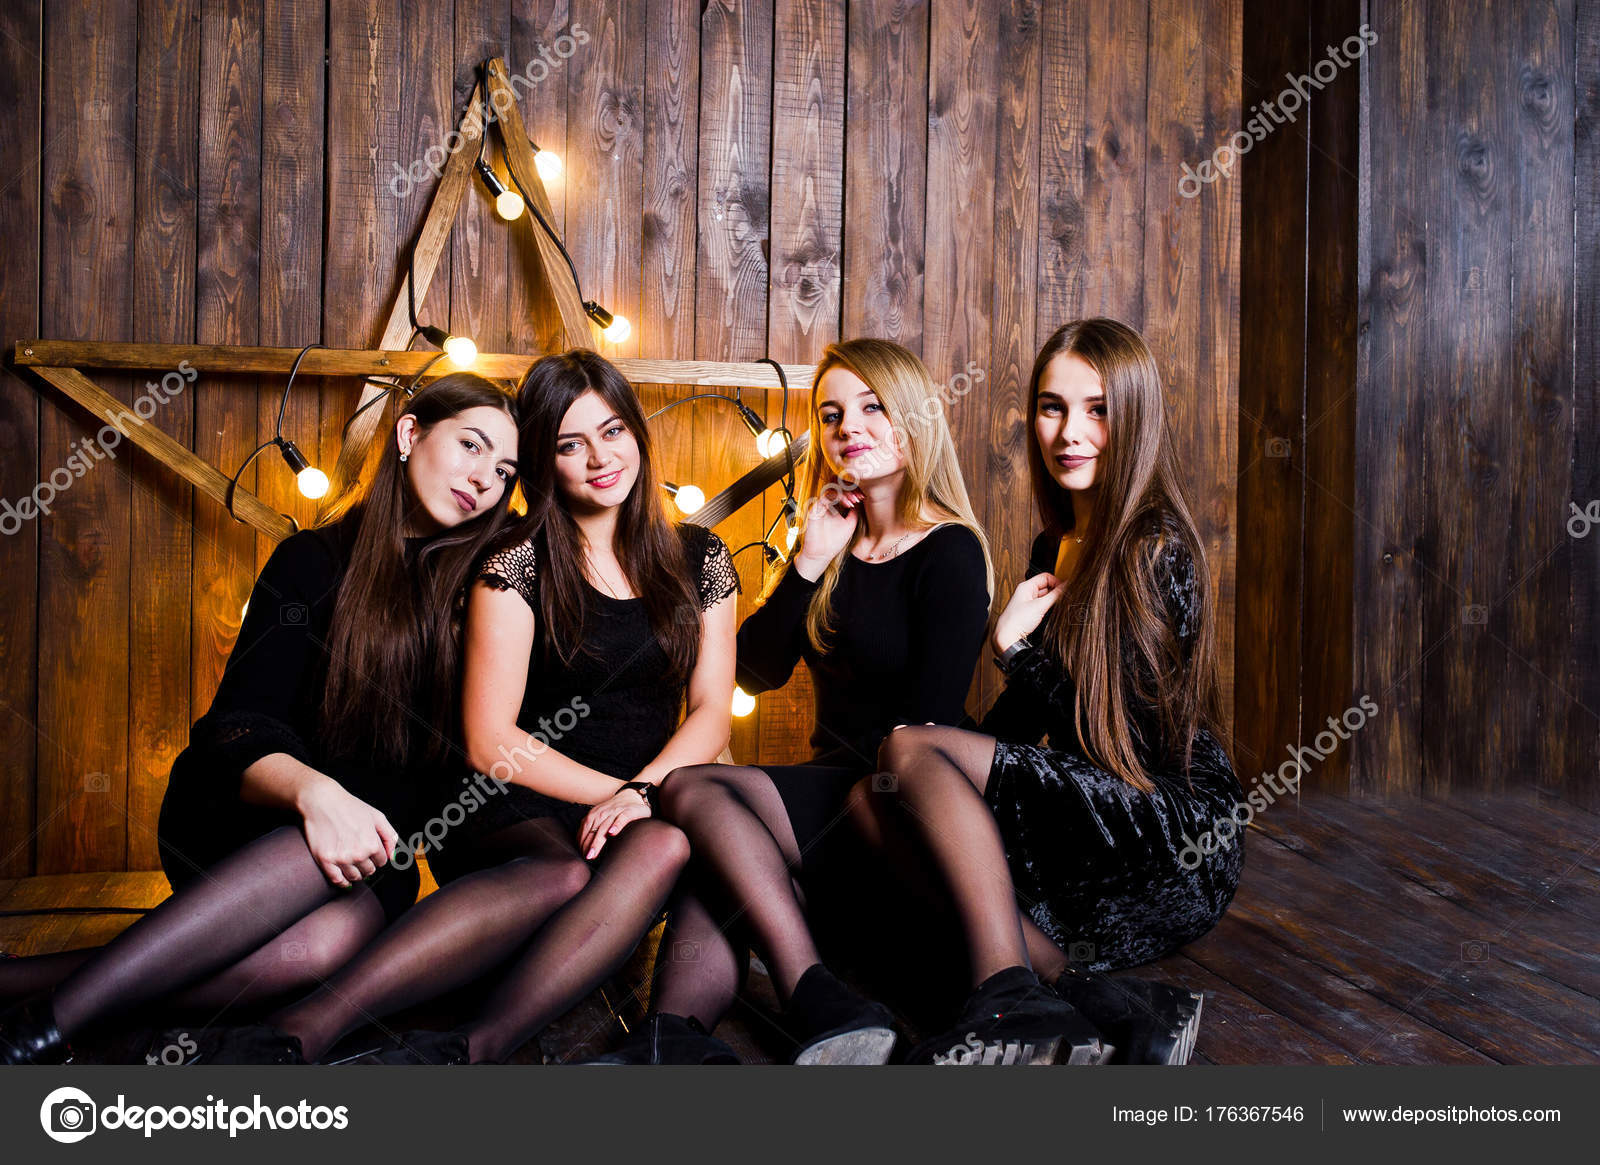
(886, 599)
(1109, 650)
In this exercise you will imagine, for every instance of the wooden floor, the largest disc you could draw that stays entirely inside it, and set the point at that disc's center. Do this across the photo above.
(1421, 933)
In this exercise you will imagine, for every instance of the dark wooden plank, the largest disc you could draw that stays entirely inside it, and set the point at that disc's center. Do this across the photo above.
(1536, 63)
(86, 243)
(671, 172)
(1421, 964)
(605, 157)
(480, 242)
(886, 179)
(21, 80)
(1387, 755)
(1001, 491)
(1333, 327)
(1581, 783)
(164, 259)
(1468, 440)
(958, 293)
(1281, 976)
(1545, 824)
(228, 312)
(1273, 259)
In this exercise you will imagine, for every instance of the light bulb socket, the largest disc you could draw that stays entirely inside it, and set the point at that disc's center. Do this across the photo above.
(434, 334)
(771, 553)
(491, 179)
(291, 453)
(752, 420)
(598, 314)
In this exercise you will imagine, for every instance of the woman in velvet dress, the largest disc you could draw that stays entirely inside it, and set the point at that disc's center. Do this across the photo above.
(886, 600)
(598, 657)
(281, 815)
(1108, 649)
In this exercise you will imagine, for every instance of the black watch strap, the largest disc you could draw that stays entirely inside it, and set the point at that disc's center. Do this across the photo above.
(646, 790)
(1008, 658)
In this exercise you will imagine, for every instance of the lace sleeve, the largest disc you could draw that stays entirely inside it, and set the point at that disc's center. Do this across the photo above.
(512, 569)
(718, 578)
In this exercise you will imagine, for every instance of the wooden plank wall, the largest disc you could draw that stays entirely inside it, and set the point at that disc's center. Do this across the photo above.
(1445, 428)
(743, 178)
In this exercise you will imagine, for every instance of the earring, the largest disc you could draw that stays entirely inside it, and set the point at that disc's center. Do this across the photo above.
(403, 456)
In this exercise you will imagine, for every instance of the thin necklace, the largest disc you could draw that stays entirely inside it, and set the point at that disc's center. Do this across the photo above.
(890, 553)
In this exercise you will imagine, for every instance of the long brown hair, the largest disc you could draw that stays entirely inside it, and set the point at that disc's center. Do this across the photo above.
(394, 652)
(1113, 604)
(932, 491)
(648, 546)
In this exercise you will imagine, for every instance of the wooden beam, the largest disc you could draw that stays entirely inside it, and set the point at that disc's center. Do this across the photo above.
(219, 358)
(199, 473)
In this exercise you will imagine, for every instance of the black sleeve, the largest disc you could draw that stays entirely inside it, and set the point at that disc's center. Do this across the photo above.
(949, 610)
(1174, 569)
(512, 569)
(260, 703)
(718, 578)
(772, 639)
(1018, 712)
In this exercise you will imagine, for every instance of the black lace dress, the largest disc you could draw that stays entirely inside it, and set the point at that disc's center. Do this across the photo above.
(1104, 870)
(609, 709)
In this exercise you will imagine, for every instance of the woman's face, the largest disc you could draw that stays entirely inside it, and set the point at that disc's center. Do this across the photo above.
(460, 468)
(1069, 421)
(858, 439)
(597, 457)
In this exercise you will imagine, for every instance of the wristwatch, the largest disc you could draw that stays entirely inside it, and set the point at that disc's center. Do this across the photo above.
(1009, 656)
(646, 790)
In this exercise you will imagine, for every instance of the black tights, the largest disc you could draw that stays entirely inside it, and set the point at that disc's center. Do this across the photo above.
(567, 925)
(741, 837)
(934, 807)
(262, 922)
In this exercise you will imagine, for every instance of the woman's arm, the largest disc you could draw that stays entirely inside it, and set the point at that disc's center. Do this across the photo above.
(499, 643)
(772, 637)
(948, 613)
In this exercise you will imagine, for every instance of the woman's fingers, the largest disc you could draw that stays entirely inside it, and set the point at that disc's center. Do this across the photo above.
(351, 874)
(389, 836)
(367, 868)
(334, 874)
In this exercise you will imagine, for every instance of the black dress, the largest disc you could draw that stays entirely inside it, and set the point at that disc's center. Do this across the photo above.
(906, 635)
(609, 709)
(267, 702)
(1103, 869)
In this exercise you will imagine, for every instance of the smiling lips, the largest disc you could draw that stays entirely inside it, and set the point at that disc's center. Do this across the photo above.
(466, 501)
(1070, 462)
(856, 450)
(607, 481)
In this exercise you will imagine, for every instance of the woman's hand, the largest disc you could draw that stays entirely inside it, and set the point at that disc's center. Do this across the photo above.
(606, 819)
(348, 838)
(829, 524)
(1026, 609)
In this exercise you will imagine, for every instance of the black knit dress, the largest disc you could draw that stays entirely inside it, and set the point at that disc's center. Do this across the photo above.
(1103, 869)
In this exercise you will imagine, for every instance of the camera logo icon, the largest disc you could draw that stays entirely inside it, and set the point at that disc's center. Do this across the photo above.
(67, 1115)
(293, 615)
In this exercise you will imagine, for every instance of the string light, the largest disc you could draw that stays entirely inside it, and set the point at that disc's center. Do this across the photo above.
(689, 498)
(613, 326)
(743, 702)
(547, 163)
(312, 481)
(508, 204)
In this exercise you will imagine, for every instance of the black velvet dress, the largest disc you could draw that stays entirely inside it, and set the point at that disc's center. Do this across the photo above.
(609, 709)
(1104, 870)
(267, 702)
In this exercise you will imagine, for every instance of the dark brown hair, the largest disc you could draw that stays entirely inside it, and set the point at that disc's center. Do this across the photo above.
(1114, 604)
(648, 547)
(394, 653)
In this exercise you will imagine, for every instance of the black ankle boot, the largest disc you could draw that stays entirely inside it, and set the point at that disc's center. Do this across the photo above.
(413, 1048)
(1012, 1018)
(1148, 1022)
(669, 1039)
(29, 1035)
(832, 1024)
(255, 1043)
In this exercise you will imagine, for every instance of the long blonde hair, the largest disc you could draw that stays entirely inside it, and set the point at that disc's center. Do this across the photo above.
(932, 492)
(1113, 604)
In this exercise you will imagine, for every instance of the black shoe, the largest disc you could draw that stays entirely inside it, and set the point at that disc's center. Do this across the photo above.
(832, 1024)
(1148, 1022)
(414, 1048)
(669, 1039)
(1012, 1018)
(255, 1043)
(29, 1035)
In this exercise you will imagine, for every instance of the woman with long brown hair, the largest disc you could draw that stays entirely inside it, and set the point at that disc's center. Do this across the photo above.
(1109, 649)
(598, 658)
(327, 740)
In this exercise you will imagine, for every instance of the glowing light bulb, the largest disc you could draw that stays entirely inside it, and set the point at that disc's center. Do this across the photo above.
(743, 702)
(689, 498)
(244, 610)
(509, 205)
(461, 350)
(312, 481)
(548, 165)
(767, 443)
(618, 330)
(791, 537)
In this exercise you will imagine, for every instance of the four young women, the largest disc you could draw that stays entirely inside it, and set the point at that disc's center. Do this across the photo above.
(613, 630)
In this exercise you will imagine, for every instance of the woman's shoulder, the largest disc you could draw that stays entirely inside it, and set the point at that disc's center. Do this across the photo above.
(316, 557)
(709, 563)
(954, 540)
